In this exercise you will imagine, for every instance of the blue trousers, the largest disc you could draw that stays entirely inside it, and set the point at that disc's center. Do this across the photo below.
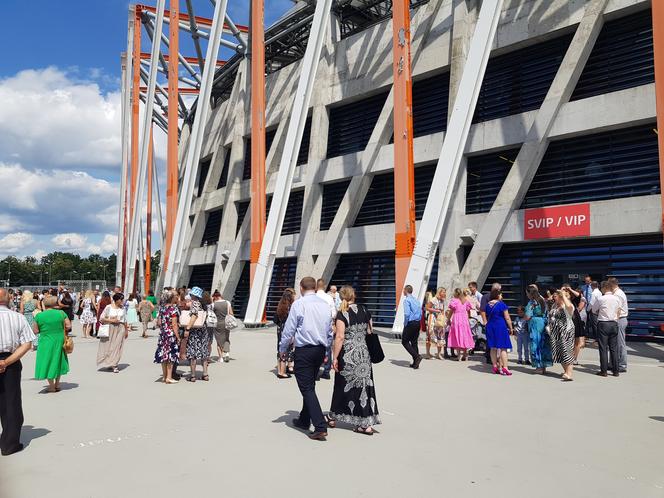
(523, 345)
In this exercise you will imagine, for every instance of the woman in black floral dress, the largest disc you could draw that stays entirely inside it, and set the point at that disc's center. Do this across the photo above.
(198, 339)
(354, 396)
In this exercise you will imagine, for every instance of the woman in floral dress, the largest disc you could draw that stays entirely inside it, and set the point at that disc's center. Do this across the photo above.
(354, 396)
(169, 341)
(88, 316)
(198, 339)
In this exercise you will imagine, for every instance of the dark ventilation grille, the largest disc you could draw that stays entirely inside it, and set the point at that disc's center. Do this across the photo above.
(333, 194)
(241, 296)
(283, 277)
(351, 125)
(212, 227)
(423, 181)
(293, 218)
(430, 102)
(203, 170)
(303, 154)
(269, 138)
(485, 177)
(518, 81)
(201, 276)
(433, 278)
(223, 179)
(609, 165)
(637, 262)
(242, 208)
(621, 58)
(372, 277)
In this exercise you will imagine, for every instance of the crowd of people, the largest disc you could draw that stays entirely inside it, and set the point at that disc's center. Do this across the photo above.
(321, 330)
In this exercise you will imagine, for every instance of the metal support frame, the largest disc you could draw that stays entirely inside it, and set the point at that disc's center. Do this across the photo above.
(262, 272)
(190, 167)
(135, 232)
(135, 106)
(451, 154)
(148, 216)
(404, 167)
(658, 45)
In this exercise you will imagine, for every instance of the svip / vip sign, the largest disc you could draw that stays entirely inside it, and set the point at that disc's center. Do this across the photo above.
(559, 221)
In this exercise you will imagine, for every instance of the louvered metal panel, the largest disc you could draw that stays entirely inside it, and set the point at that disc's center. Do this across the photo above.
(372, 277)
(242, 208)
(201, 276)
(223, 179)
(212, 227)
(269, 138)
(423, 180)
(293, 218)
(637, 262)
(303, 154)
(241, 296)
(485, 177)
(351, 125)
(283, 277)
(203, 170)
(609, 165)
(621, 58)
(333, 193)
(430, 102)
(518, 81)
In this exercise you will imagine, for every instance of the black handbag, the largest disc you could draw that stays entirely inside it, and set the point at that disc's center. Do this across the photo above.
(375, 349)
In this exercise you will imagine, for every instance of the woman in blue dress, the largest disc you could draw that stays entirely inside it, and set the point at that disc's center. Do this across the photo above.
(498, 331)
(540, 344)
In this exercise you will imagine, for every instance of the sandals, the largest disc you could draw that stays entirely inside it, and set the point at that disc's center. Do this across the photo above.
(191, 378)
(282, 376)
(362, 430)
(331, 423)
(115, 370)
(206, 378)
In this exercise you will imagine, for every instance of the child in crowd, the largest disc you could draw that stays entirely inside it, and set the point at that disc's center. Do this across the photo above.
(522, 336)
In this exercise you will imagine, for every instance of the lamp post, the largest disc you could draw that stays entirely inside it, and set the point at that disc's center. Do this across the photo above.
(71, 275)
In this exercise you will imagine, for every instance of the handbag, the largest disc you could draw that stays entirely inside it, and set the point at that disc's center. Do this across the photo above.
(185, 317)
(104, 329)
(441, 320)
(376, 353)
(68, 345)
(211, 320)
(230, 322)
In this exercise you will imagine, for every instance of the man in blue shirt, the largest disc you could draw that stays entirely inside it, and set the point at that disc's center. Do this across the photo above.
(309, 328)
(412, 314)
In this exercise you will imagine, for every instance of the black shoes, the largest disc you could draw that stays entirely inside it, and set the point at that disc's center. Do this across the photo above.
(12, 451)
(416, 363)
(318, 436)
(602, 374)
(299, 425)
(325, 375)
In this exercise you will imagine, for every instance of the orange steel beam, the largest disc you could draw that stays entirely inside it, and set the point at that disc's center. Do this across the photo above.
(172, 147)
(148, 217)
(404, 170)
(257, 131)
(203, 21)
(135, 106)
(191, 60)
(183, 91)
(658, 43)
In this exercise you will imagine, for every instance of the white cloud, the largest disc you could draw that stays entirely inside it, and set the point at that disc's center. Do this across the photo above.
(15, 242)
(107, 246)
(70, 241)
(49, 119)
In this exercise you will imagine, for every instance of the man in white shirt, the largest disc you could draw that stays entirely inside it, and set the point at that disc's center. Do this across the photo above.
(607, 310)
(591, 323)
(335, 296)
(320, 292)
(622, 323)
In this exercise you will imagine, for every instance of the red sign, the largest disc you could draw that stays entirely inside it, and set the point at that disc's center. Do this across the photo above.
(558, 221)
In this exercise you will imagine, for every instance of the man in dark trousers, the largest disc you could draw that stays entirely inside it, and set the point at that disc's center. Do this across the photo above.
(607, 309)
(412, 314)
(309, 328)
(16, 338)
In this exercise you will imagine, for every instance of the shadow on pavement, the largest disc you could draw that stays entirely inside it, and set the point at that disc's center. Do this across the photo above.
(400, 363)
(30, 432)
(658, 419)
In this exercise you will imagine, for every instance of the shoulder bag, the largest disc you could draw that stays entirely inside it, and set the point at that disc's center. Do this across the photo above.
(185, 317)
(376, 353)
(68, 344)
(211, 320)
(104, 329)
(230, 322)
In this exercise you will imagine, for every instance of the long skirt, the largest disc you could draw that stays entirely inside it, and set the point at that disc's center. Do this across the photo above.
(110, 348)
(540, 343)
(198, 344)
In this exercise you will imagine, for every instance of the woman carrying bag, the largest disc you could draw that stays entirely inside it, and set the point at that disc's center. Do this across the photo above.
(52, 326)
(112, 334)
(196, 334)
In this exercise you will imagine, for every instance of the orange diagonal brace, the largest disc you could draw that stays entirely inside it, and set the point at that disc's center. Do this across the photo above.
(658, 42)
(404, 171)
(148, 218)
(172, 150)
(257, 131)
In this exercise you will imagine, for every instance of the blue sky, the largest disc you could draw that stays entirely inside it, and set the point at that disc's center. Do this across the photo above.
(59, 119)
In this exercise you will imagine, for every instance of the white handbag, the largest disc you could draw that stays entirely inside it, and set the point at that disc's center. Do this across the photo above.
(211, 320)
(230, 322)
(104, 329)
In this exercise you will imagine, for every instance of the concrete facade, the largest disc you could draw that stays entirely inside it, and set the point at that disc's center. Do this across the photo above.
(359, 66)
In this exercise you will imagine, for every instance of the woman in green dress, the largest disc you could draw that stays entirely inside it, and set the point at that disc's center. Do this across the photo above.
(52, 326)
(153, 300)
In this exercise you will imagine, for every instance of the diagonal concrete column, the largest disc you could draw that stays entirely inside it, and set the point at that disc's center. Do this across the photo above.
(511, 195)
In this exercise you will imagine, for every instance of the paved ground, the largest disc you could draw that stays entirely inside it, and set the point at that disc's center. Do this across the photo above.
(448, 429)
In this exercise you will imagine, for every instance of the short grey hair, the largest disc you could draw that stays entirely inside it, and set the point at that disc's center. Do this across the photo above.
(166, 297)
(496, 286)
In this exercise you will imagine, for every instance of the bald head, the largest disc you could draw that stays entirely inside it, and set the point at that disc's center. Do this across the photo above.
(4, 297)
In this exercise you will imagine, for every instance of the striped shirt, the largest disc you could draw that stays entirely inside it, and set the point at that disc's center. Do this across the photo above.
(14, 330)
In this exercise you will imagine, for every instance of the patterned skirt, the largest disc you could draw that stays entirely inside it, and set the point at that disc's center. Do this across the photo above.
(167, 348)
(198, 344)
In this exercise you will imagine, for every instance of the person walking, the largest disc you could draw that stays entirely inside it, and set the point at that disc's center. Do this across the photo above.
(103, 302)
(196, 334)
(52, 362)
(145, 309)
(66, 304)
(320, 292)
(561, 330)
(607, 309)
(132, 311)
(16, 339)
(309, 328)
(27, 308)
(498, 331)
(622, 323)
(412, 314)
(354, 395)
(222, 335)
(535, 316)
(460, 337)
(284, 360)
(436, 322)
(88, 314)
(169, 340)
(152, 299)
(109, 352)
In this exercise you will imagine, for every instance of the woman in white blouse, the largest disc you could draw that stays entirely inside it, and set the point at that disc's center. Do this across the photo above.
(110, 348)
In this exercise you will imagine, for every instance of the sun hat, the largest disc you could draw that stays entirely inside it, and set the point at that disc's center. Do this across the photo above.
(196, 292)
